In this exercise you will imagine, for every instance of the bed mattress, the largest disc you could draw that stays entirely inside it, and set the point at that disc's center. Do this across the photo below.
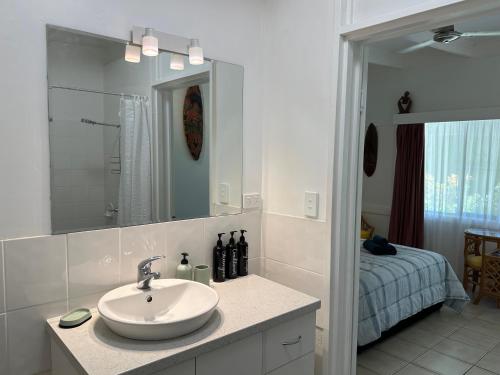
(393, 288)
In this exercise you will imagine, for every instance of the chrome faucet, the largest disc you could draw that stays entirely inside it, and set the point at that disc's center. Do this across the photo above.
(144, 274)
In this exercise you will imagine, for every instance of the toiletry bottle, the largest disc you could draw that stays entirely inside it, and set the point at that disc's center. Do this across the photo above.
(232, 258)
(219, 266)
(184, 270)
(242, 255)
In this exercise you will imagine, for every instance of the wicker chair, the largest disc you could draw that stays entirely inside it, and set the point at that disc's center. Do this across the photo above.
(366, 229)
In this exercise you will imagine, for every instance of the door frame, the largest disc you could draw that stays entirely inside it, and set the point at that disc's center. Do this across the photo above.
(349, 85)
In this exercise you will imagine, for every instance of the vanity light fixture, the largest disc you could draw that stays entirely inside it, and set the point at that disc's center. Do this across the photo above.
(176, 61)
(149, 43)
(132, 53)
(195, 53)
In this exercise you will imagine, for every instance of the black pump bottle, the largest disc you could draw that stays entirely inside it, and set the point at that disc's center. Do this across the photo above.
(242, 255)
(219, 266)
(232, 258)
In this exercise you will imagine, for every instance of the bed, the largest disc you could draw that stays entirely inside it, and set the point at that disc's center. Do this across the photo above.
(395, 288)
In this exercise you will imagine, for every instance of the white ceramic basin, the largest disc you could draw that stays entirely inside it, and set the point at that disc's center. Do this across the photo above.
(177, 307)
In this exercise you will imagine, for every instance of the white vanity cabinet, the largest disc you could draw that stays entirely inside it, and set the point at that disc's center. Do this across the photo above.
(260, 328)
(243, 357)
(286, 349)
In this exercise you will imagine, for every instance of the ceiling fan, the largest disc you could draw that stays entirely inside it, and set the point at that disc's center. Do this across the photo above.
(446, 35)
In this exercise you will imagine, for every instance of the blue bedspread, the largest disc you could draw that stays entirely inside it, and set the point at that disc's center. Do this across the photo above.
(393, 288)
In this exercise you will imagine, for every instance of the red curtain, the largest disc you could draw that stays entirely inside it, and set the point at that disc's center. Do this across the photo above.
(407, 214)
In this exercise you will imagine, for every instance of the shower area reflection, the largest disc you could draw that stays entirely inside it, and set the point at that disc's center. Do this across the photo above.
(87, 157)
(88, 116)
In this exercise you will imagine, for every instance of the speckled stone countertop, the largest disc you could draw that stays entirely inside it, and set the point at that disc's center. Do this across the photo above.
(247, 305)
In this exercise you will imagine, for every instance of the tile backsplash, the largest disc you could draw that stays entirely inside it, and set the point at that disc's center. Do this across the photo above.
(296, 254)
(45, 276)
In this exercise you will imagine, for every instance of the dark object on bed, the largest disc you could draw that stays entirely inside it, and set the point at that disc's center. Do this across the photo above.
(403, 325)
(379, 246)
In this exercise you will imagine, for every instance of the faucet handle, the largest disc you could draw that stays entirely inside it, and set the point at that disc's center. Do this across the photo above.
(146, 263)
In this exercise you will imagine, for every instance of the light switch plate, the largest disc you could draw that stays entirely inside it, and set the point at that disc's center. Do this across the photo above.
(311, 204)
(224, 193)
(251, 200)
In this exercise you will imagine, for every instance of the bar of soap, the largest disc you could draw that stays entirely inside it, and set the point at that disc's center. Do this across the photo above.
(75, 318)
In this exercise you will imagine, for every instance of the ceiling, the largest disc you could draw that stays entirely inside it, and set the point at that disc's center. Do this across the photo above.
(386, 52)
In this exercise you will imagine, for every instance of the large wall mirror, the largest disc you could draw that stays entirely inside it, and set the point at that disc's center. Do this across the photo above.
(137, 143)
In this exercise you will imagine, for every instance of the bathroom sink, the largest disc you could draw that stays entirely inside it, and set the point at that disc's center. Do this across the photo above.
(170, 308)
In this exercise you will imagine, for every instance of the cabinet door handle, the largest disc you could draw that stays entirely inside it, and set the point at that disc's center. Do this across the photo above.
(292, 342)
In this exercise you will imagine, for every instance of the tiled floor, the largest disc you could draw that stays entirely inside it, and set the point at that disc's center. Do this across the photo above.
(445, 343)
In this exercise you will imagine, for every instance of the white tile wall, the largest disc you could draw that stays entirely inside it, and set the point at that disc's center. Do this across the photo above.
(28, 340)
(35, 271)
(186, 238)
(55, 273)
(3, 344)
(295, 252)
(2, 281)
(138, 243)
(296, 241)
(93, 261)
(299, 279)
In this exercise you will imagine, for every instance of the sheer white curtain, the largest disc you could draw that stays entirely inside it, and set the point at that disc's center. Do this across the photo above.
(462, 183)
(135, 193)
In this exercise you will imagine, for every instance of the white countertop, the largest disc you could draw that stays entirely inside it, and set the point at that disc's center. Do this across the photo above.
(247, 305)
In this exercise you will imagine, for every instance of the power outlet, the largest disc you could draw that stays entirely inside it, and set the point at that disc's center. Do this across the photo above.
(224, 193)
(251, 201)
(311, 204)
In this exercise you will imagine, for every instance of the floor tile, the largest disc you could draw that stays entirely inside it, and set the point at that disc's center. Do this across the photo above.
(479, 371)
(442, 364)
(484, 327)
(461, 351)
(420, 337)
(490, 362)
(380, 362)
(473, 338)
(450, 316)
(363, 371)
(401, 349)
(491, 316)
(414, 370)
(437, 327)
(474, 310)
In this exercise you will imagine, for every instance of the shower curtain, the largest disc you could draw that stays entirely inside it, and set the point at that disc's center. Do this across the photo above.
(135, 192)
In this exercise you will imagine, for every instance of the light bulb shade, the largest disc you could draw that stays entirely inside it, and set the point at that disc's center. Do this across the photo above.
(149, 43)
(132, 53)
(195, 53)
(176, 62)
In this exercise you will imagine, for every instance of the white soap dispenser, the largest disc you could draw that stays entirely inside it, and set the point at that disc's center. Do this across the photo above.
(184, 270)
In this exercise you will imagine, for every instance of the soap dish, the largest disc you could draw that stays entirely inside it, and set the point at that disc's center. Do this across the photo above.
(75, 318)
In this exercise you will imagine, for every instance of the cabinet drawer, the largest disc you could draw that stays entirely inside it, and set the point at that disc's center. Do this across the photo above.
(242, 357)
(184, 368)
(289, 341)
(302, 366)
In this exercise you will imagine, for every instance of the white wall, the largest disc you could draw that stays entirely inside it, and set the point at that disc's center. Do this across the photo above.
(297, 113)
(470, 84)
(297, 124)
(369, 10)
(228, 30)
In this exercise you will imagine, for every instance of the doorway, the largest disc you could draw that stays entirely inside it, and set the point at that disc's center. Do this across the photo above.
(347, 191)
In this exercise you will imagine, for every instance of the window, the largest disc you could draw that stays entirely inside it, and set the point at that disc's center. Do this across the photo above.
(462, 169)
